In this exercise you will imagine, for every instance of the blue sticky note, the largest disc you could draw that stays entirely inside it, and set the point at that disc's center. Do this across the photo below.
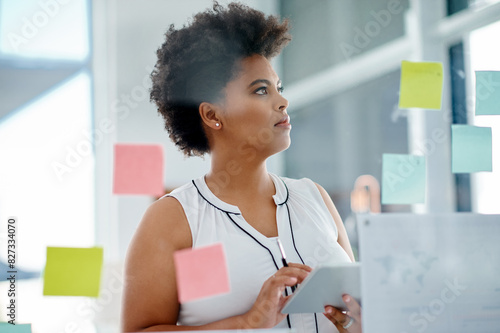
(17, 328)
(403, 179)
(470, 149)
(487, 93)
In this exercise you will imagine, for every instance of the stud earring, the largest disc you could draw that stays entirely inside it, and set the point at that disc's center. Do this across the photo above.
(217, 124)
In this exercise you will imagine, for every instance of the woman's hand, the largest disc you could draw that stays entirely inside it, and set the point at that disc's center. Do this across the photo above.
(266, 311)
(346, 322)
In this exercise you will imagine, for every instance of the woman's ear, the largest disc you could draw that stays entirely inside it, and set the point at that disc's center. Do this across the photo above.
(209, 115)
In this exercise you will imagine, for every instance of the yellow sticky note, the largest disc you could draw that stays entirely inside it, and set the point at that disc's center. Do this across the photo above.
(421, 85)
(73, 271)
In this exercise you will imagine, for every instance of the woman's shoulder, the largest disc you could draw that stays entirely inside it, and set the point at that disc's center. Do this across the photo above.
(165, 219)
(305, 189)
(298, 183)
(186, 188)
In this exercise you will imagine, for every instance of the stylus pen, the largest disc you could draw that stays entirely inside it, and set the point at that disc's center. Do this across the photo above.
(283, 258)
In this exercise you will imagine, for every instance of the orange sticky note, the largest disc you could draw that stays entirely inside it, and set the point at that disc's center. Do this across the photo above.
(138, 169)
(201, 272)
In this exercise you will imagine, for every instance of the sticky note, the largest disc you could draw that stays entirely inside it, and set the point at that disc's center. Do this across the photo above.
(73, 271)
(403, 179)
(138, 169)
(471, 149)
(421, 85)
(201, 272)
(17, 328)
(487, 93)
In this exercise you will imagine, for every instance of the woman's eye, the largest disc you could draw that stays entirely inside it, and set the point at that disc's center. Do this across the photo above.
(280, 90)
(261, 91)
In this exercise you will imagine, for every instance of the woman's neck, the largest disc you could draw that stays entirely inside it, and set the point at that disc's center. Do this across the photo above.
(239, 177)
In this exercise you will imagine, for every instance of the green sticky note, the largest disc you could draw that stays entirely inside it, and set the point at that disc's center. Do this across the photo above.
(487, 93)
(421, 85)
(17, 328)
(470, 149)
(403, 179)
(73, 271)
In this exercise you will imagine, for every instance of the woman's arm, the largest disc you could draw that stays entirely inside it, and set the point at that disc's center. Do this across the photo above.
(150, 302)
(342, 238)
(336, 316)
(150, 291)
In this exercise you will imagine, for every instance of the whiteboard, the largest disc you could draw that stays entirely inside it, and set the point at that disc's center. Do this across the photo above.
(430, 273)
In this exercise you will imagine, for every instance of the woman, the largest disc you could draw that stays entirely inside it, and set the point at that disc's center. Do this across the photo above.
(218, 94)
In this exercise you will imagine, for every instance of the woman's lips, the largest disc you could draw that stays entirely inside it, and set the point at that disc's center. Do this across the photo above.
(284, 122)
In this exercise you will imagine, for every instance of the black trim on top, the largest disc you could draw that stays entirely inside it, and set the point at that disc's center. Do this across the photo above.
(225, 211)
(201, 195)
(297, 251)
(268, 250)
(316, 322)
(255, 239)
(291, 231)
(287, 193)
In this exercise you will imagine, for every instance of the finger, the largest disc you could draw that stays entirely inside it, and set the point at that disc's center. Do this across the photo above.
(282, 280)
(353, 307)
(301, 266)
(296, 272)
(274, 287)
(337, 317)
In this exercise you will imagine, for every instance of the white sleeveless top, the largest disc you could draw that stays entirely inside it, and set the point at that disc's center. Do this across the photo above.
(305, 227)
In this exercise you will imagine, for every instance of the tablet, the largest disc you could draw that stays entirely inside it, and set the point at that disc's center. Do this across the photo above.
(325, 285)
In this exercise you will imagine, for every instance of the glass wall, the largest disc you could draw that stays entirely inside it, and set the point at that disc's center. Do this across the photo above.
(336, 140)
(342, 134)
(342, 76)
(46, 147)
(327, 33)
(484, 56)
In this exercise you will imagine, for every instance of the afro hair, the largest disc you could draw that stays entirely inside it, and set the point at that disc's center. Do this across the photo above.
(196, 62)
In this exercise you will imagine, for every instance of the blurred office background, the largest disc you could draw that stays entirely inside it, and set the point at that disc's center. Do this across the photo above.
(74, 80)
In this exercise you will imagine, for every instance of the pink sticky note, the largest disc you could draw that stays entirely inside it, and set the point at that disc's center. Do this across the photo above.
(138, 169)
(201, 272)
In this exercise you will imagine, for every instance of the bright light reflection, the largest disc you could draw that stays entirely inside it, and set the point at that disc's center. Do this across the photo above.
(50, 212)
(44, 29)
(481, 3)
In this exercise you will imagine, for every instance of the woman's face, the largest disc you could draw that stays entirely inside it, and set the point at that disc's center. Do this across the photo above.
(254, 115)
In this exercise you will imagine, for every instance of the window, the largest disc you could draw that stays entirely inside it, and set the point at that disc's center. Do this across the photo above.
(52, 198)
(46, 145)
(45, 29)
(326, 33)
(342, 137)
(343, 110)
(484, 55)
